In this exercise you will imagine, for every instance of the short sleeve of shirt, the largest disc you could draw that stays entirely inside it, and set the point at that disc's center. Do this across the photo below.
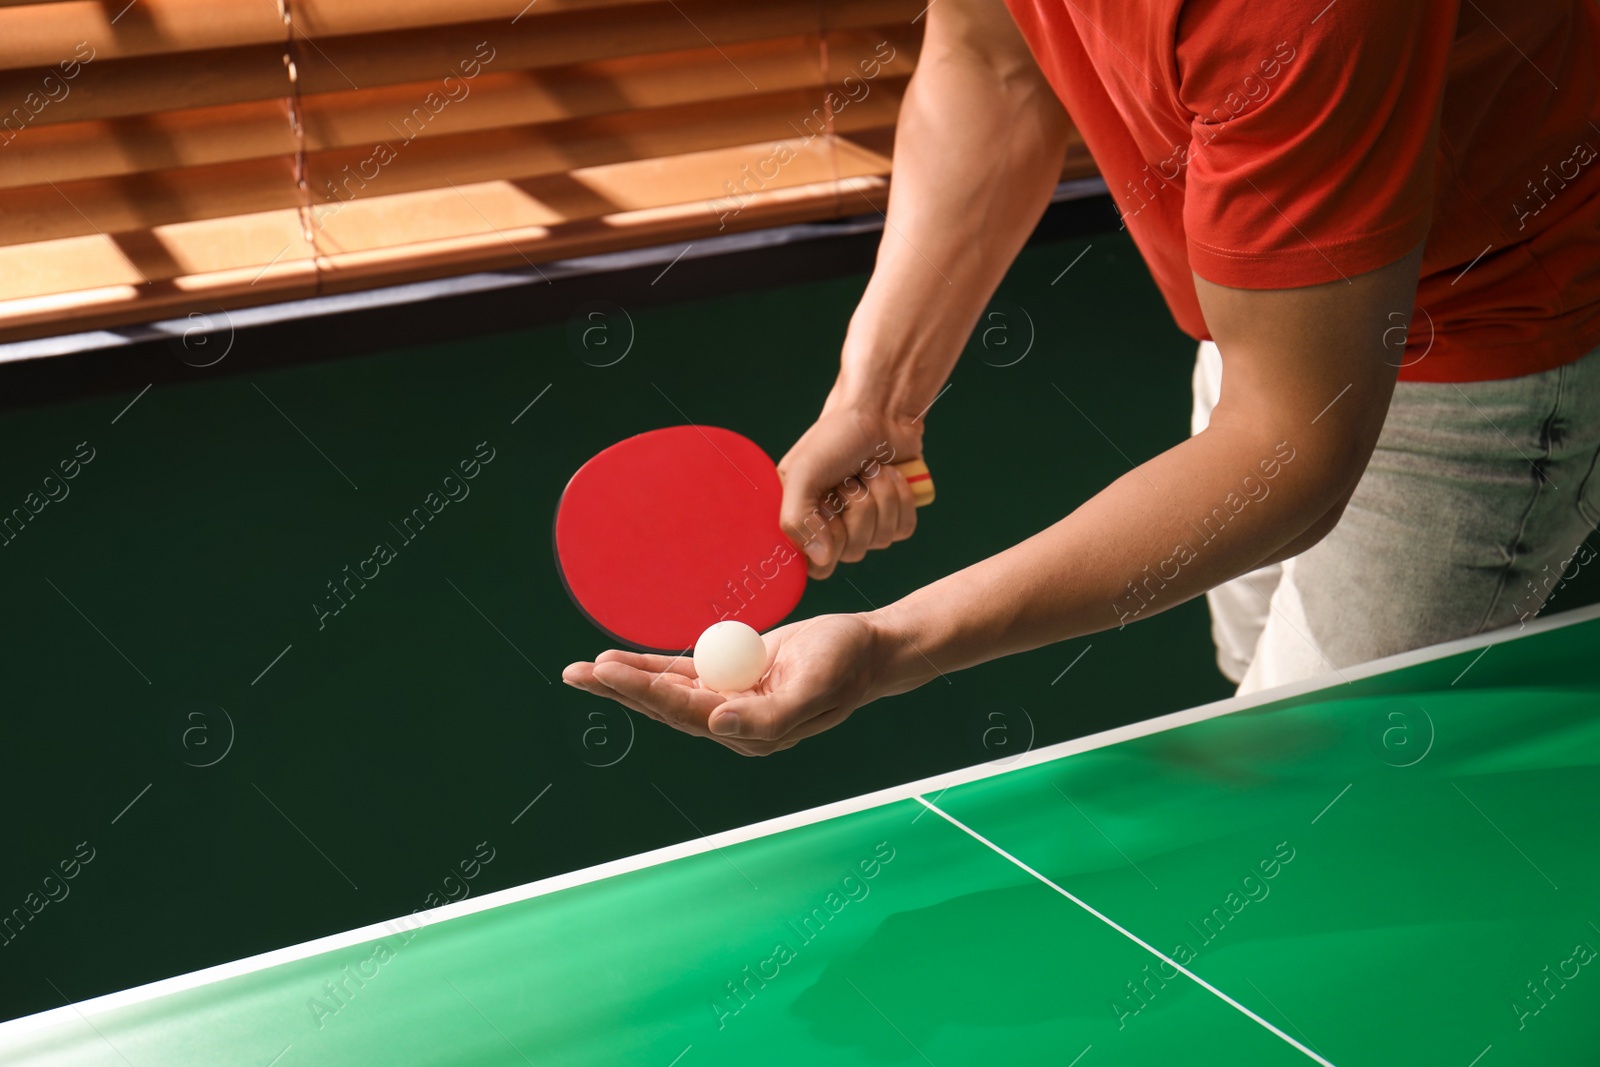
(1313, 136)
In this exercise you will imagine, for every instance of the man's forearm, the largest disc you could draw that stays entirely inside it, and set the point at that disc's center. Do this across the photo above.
(978, 150)
(1205, 511)
(1309, 373)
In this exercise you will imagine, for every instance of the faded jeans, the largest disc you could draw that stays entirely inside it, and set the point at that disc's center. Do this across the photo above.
(1478, 498)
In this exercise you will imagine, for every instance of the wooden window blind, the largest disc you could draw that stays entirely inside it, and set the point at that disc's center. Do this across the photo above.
(174, 155)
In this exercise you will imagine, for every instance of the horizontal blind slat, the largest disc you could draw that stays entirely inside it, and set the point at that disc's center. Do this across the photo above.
(339, 18)
(161, 257)
(341, 63)
(127, 202)
(145, 85)
(165, 141)
(528, 151)
(140, 201)
(199, 136)
(113, 29)
(44, 35)
(484, 208)
(609, 86)
(113, 88)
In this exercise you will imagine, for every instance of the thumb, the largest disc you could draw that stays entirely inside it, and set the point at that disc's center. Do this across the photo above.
(805, 513)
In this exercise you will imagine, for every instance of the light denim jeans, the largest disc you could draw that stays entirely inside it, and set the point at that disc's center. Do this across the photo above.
(1478, 498)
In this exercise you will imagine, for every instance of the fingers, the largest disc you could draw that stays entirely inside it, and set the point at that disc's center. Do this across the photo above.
(582, 676)
(886, 502)
(906, 514)
(807, 522)
(896, 506)
(826, 545)
(831, 508)
(841, 497)
(682, 663)
(876, 518)
(811, 691)
(873, 513)
(804, 515)
(860, 519)
(674, 699)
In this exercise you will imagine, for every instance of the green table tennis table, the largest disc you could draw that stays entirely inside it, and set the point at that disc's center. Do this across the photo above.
(1396, 864)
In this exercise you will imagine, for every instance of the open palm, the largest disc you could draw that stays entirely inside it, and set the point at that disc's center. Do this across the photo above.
(819, 671)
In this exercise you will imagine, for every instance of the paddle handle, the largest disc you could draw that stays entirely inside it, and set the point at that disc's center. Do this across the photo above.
(916, 472)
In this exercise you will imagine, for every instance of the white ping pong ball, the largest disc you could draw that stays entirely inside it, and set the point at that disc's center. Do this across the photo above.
(730, 657)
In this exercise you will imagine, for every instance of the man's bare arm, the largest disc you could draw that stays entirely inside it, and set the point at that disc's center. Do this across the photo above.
(1306, 385)
(978, 150)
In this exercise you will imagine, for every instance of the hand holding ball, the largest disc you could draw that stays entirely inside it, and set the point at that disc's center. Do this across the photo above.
(730, 657)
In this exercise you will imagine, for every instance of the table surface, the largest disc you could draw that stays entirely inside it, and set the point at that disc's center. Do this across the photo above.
(1395, 865)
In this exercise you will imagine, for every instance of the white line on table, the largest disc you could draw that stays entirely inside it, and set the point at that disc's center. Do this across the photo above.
(1124, 931)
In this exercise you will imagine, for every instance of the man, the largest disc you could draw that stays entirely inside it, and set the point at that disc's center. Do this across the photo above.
(1304, 179)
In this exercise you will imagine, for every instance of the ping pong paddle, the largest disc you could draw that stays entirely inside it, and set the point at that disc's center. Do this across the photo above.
(665, 533)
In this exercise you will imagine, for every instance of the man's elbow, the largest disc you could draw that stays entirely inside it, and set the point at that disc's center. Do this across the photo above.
(1321, 526)
(1324, 525)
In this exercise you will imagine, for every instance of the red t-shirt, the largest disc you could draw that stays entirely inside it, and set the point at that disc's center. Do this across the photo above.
(1288, 143)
